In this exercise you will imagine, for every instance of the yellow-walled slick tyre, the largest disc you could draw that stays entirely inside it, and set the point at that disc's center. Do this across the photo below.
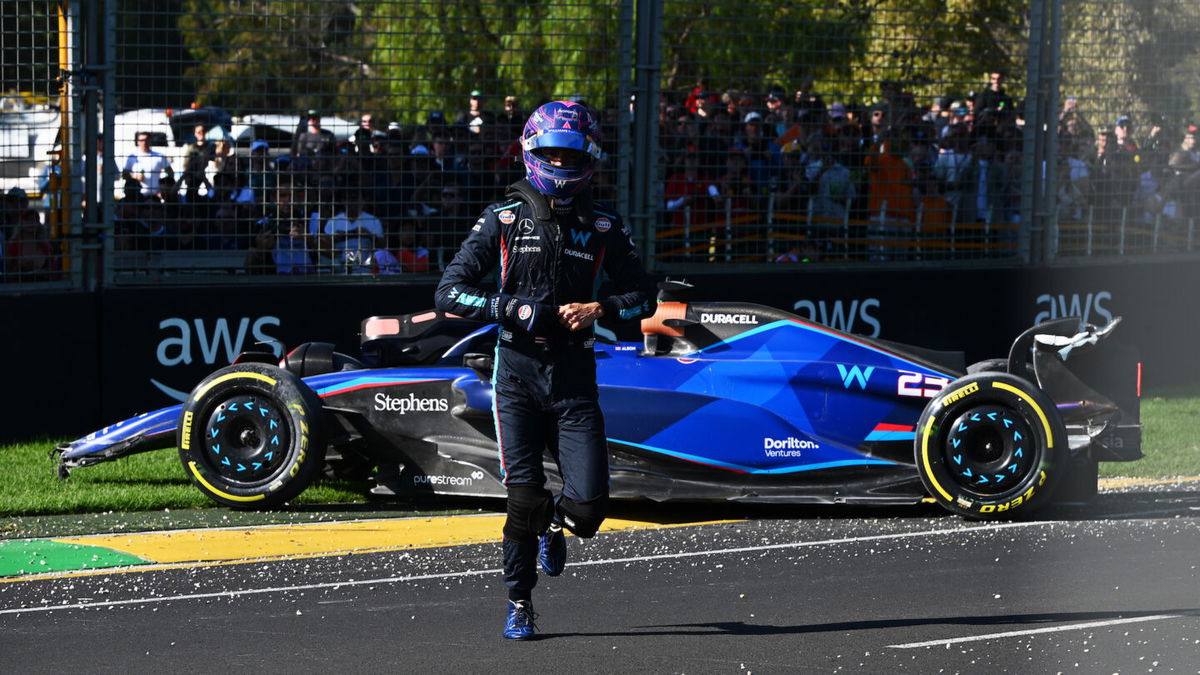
(991, 446)
(251, 436)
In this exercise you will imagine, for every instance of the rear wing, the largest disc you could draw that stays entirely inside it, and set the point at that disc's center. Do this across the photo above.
(1094, 381)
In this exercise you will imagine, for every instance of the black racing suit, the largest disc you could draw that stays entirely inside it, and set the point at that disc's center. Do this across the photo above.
(545, 394)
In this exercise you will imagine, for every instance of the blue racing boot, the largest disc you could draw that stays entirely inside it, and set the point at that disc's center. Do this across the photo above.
(552, 551)
(520, 625)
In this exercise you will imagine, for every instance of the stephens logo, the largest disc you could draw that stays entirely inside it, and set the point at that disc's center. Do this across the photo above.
(726, 319)
(410, 403)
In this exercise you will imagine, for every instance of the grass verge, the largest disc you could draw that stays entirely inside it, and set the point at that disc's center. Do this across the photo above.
(29, 484)
(155, 480)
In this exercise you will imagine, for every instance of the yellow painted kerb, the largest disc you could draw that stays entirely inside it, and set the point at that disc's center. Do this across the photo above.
(314, 539)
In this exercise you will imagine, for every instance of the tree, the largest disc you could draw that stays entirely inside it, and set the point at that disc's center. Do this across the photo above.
(262, 56)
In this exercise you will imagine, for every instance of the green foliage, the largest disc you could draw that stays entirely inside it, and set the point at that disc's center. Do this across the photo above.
(1133, 58)
(263, 56)
(429, 56)
(416, 57)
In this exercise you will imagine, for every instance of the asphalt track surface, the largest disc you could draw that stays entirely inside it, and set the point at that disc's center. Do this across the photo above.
(1114, 588)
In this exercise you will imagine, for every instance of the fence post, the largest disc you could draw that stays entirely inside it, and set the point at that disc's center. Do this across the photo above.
(646, 81)
(1039, 145)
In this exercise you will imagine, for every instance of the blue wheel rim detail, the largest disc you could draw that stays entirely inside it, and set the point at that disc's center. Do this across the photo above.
(989, 449)
(247, 437)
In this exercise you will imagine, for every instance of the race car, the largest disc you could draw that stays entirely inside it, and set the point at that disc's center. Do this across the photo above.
(717, 401)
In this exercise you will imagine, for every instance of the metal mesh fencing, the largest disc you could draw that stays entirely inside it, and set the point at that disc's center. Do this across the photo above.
(238, 140)
(840, 133)
(1128, 167)
(36, 235)
(337, 139)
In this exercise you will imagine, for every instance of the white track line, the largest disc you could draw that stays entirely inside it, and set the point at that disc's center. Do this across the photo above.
(473, 573)
(1037, 631)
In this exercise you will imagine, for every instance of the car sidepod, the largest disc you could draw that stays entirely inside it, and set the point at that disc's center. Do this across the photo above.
(435, 424)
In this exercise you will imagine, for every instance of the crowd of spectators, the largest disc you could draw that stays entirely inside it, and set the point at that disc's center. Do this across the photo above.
(1106, 175)
(890, 163)
(394, 198)
(385, 200)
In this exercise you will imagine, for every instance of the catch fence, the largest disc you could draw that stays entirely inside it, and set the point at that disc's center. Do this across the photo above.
(251, 141)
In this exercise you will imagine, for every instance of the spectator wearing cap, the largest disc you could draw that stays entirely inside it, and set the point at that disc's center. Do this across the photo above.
(939, 114)
(837, 114)
(471, 119)
(260, 171)
(779, 114)
(763, 162)
(1123, 131)
(314, 144)
(698, 93)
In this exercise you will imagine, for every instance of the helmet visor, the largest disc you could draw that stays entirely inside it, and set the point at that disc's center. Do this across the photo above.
(565, 139)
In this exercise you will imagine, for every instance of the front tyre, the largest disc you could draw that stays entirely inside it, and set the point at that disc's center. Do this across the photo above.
(991, 446)
(251, 436)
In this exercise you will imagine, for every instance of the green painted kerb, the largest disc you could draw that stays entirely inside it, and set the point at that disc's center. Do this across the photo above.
(34, 556)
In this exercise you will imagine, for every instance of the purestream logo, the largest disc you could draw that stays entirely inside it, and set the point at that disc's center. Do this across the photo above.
(461, 481)
(788, 447)
(410, 403)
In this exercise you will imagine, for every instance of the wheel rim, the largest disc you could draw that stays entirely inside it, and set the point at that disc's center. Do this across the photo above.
(990, 449)
(247, 439)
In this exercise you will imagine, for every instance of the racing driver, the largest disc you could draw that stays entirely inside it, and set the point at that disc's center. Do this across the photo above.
(550, 243)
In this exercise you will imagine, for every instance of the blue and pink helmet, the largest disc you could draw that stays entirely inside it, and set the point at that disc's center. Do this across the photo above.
(560, 124)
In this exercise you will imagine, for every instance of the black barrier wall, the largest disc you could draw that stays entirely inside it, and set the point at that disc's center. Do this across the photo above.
(76, 362)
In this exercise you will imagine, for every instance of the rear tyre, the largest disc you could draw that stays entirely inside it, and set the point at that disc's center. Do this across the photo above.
(251, 436)
(991, 446)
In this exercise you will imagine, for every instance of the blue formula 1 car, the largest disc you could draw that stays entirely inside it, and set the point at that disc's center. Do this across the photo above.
(718, 401)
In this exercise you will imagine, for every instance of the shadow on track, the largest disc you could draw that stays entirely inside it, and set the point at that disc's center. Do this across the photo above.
(743, 628)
